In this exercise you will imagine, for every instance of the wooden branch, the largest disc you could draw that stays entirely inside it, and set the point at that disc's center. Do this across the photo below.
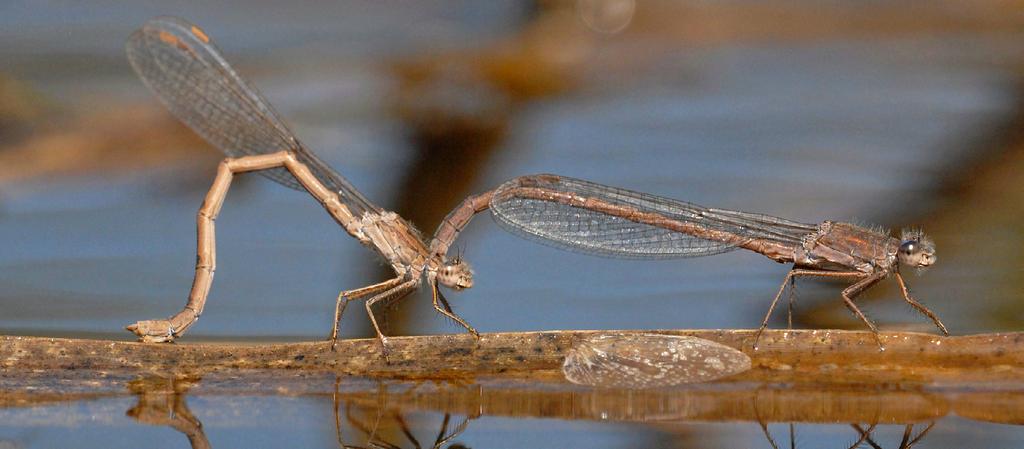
(822, 356)
(803, 376)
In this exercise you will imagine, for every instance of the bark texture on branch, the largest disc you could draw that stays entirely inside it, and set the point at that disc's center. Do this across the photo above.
(806, 356)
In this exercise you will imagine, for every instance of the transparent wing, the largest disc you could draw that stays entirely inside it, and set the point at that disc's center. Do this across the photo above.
(177, 60)
(596, 219)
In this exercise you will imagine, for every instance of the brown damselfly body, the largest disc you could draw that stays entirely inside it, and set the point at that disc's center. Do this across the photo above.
(178, 61)
(607, 221)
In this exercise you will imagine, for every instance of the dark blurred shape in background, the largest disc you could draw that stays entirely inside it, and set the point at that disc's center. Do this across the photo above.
(20, 109)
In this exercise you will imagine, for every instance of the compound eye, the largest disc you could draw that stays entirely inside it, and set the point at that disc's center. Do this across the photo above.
(908, 247)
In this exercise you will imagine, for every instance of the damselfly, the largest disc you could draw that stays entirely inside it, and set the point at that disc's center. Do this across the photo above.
(178, 61)
(607, 221)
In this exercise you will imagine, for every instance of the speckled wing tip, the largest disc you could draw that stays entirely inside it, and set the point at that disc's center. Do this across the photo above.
(650, 361)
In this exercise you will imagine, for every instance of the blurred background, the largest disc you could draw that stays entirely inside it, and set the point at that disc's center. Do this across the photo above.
(877, 113)
(890, 113)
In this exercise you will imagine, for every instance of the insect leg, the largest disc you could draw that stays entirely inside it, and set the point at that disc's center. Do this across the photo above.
(857, 288)
(920, 307)
(791, 276)
(351, 295)
(441, 304)
(395, 292)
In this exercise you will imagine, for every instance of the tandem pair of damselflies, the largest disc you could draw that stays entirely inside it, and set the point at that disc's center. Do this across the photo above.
(178, 61)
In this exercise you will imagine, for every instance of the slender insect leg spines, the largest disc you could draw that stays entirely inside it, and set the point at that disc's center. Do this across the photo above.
(206, 252)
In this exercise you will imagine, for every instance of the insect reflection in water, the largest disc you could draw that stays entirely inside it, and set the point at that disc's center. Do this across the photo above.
(864, 434)
(380, 419)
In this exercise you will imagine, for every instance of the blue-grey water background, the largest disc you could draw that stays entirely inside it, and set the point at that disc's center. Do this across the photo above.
(865, 126)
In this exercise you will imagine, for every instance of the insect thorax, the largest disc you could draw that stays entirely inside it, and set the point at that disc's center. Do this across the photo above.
(396, 240)
(844, 246)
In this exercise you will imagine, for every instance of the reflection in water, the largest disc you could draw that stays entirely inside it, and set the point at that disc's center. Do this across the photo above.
(792, 435)
(792, 429)
(864, 433)
(371, 430)
(908, 440)
(161, 402)
(374, 421)
(369, 413)
(358, 421)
